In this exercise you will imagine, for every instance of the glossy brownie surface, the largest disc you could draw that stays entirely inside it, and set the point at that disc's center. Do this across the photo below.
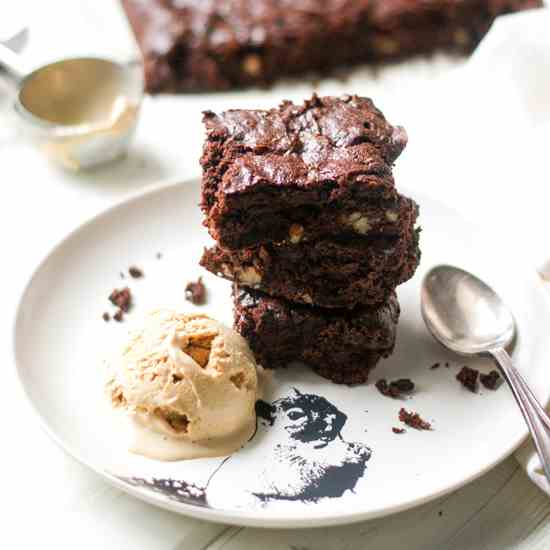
(265, 171)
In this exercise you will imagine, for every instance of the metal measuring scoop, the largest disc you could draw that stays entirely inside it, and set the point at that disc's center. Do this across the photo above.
(469, 318)
(81, 112)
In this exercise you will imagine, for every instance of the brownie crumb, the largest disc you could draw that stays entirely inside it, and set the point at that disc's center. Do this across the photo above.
(106, 317)
(385, 389)
(468, 378)
(135, 272)
(491, 381)
(398, 430)
(159, 255)
(395, 388)
(440, 513)
(122, 275)
(121, 298)
(195, 292)
(435, 366)
(404, 385)
(447, 365)
(118, 316)
(414, 420)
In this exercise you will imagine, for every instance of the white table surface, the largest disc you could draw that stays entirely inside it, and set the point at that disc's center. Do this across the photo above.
(46, 497)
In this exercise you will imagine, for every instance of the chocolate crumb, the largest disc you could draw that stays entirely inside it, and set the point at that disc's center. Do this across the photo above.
(106, 317)
(386, 389)
(135, 272)
(395, 388)
(468, 378)
(398, 430)
(440, 513)
(491, 381)
(159, 255)
(118, 316)
(414, 420)
(195, 292)
(435, 366)
(447, 365)
(404, 385)
(121, 298)
(122, 275)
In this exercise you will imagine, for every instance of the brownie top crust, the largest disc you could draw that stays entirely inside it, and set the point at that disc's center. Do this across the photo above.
(218, 44)
(323, 150)
(319, 130)
(215, 24)
(195, 36)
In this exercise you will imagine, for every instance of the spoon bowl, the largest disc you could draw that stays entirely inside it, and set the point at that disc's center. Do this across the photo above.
(463, 313)
(468, 317)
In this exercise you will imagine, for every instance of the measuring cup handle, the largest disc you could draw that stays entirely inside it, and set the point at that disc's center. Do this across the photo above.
(11, 65)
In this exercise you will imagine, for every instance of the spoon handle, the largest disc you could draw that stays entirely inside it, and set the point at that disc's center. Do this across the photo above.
(11, 65)
(535, 416)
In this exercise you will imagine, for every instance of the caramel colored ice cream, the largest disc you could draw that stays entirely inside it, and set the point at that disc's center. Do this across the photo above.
(188, 385)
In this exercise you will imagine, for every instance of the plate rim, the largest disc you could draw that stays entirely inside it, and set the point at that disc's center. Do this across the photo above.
(238, 518)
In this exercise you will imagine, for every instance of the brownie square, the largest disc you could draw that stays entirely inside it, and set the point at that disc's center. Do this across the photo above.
(325, 273)
(191, 45)
(341, 345)
(317, 169)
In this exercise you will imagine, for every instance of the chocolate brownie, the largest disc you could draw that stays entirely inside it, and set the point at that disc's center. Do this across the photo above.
(296, 172)
(192, 45)
(404, 28)
(341, 345)
(326, 273)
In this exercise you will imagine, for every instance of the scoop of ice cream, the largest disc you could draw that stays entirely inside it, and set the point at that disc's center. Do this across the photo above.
(189, 379)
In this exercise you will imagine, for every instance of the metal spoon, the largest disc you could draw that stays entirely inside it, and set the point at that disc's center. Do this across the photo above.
(81, 112)
(469, 318)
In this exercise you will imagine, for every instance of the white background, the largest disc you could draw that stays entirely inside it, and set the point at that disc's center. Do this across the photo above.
(499, 172)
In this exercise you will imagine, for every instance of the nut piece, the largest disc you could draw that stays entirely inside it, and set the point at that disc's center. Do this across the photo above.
(359, 222)
(461, 37)
(295, 233)
(392, 216)
(249, 276)
(252, 65)
(362, 225)
(386, 46)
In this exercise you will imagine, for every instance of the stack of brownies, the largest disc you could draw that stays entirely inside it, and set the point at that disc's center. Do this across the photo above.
(310, 227)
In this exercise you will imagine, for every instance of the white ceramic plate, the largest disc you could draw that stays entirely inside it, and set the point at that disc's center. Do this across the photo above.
(61, 341)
